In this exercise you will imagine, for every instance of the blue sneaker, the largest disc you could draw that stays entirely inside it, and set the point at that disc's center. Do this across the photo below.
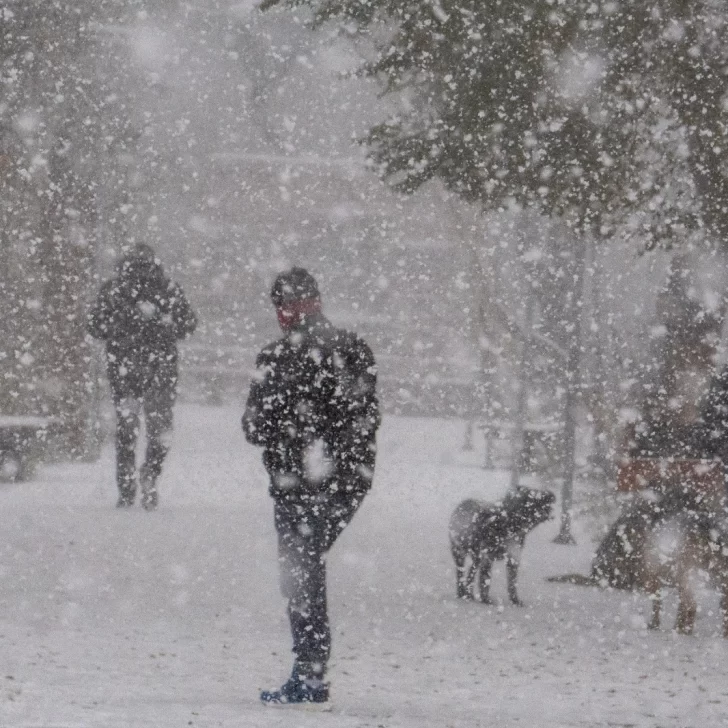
(296, 691)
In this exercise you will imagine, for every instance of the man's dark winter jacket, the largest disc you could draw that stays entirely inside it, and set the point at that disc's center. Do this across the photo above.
(140, 315)
(316, 384)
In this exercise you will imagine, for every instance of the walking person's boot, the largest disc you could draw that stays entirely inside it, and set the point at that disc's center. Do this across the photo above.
(127, 493)
(150, 497)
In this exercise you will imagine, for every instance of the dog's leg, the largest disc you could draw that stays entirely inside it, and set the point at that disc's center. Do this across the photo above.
(654, 591)
(686, 609)
(687, 606)
(484, 579)
(686, 614)
(656, 598)
(513, 560)
(460, 574)
(724, 607)
(469, 580)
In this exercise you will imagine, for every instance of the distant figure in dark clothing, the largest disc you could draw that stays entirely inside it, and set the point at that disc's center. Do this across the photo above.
(313, 408)
(714, 416)
(663, 434)
(140, 314)
(665, 438)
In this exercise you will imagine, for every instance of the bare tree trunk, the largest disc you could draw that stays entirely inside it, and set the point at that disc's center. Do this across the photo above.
(573, 387)
(521, 409)
(67, 255)
(478, 320)
(601, 392)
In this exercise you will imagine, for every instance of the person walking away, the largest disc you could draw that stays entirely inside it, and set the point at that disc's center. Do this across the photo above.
(140, 314)
(314, 392)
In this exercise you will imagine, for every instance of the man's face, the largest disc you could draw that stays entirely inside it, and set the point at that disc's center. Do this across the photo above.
(286, 318)
(292, 313)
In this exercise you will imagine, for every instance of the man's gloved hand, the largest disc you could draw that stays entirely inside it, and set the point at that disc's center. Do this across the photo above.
(285, 482)
(147, 310)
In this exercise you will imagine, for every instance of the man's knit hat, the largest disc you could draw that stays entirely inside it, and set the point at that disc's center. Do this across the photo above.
(296, 284)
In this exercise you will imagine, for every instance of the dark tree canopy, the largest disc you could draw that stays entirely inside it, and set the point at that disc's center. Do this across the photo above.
(604, 113)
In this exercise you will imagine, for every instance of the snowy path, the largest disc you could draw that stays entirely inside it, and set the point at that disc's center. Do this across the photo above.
(121, 619)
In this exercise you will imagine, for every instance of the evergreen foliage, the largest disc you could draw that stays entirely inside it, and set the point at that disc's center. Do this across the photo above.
(603, 113)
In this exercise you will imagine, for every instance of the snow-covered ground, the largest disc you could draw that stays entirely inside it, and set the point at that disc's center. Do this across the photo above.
(173, 618)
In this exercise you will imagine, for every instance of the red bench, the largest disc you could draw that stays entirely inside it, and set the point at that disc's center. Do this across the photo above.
(704, 476)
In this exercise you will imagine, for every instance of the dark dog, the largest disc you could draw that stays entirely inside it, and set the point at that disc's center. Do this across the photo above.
(690, 546)
(675, 540)
(481, 533)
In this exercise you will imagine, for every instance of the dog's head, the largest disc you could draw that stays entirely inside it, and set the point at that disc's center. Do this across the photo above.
(526, 507)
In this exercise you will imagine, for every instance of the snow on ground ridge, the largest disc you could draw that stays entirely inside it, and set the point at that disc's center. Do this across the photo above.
(112, 618)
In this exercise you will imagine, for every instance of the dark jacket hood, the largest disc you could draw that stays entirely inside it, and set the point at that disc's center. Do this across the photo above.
(135, 268)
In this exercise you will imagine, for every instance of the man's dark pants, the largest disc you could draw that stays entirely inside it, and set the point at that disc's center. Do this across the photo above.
(306, 531)
(156, 404)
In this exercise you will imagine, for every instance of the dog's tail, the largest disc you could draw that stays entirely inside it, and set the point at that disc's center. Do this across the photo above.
(577, 579)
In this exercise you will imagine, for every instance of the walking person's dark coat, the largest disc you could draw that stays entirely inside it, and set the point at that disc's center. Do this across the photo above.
(140, 315)
(313, 409)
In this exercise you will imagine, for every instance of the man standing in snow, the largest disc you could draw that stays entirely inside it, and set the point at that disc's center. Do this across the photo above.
(140, 314)
(314, 392)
